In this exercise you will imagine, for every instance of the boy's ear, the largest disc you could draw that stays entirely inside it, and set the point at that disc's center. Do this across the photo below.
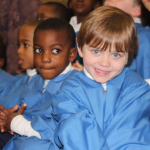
(73, 54)
(1, 62)
(136, 11)
(80, 52)
(79, 49)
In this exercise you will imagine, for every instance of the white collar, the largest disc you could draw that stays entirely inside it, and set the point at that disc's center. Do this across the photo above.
(67, 69)
(31, 72)
(89, 76)
(137, 20)
(75, 24)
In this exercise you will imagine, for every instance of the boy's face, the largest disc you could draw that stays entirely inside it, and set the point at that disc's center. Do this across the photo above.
(25, 49)
(52, 53)
(82, 7)
(146, 4)
(103, 66)
(45, 12)
(125, 5)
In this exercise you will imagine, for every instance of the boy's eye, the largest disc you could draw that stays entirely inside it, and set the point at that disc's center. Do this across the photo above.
(41, 18)
(96, 51)
(116, 55)
(55, 51)
(26, 45)
(18, 44)
(37, 50)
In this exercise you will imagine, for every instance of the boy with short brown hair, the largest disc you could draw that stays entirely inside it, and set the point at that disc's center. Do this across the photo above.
(141, 62)
(106, 106)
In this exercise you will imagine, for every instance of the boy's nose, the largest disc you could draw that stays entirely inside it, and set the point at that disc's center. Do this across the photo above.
(104, 61)
(19, 51)
(46, 58)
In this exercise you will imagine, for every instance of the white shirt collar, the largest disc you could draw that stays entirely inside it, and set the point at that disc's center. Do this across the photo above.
(75, 24)
(31, 72)
(137, 20)
(68, 68)
(89, 76)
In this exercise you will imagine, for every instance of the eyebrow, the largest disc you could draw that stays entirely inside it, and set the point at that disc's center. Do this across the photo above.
(57, 45)
(51, 45)
(24, 40)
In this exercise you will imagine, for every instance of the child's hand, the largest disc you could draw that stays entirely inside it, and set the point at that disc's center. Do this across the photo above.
(7, 115)
(1, 127)
(77, 66)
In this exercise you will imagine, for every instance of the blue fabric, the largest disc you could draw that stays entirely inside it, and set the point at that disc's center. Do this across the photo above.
(141, 63)
(16, 86)
(38, 104)
(11, 93)
(5, 78)
(138, 26)
(90, 120)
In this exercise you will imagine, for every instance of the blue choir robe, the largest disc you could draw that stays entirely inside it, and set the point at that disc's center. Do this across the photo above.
(141, 62)
(10, 95)
(38, 102)
(138, 26)
(5, 79)
(16, 86)
(89, 119)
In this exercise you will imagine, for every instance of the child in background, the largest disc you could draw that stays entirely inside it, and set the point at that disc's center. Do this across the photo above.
(25, 58)
(25, 46)
(52, 10)
(26, 61)
(81, 9)
(5, 78)
(141, 62)
(145, 13)
(145, 8)
(54, 50)
(146, 4)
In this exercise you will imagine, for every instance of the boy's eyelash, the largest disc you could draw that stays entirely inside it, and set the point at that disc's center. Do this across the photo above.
(18, 44)
(37, 50)
(56, 50)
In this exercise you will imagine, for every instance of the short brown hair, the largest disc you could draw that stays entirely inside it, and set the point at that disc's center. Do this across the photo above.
(108, 26)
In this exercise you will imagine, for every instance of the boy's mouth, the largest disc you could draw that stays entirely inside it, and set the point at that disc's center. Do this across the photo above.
(79, 5)
(20, 61)
(46, 68)
(102, 72)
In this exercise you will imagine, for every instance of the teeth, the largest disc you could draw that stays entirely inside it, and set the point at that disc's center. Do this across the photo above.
(101, 71)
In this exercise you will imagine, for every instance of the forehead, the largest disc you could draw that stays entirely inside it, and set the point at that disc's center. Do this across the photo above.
(120, 3)
(51, 37)
(26, 32)
(85, 1)
(47, 10)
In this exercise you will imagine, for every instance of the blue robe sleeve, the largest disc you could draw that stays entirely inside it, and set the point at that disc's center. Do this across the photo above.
(5, 79)
(130, 126)
(141, 64)
(77, 128)
(143, 56)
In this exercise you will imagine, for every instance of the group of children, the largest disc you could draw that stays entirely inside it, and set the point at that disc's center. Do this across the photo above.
(103, 107)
